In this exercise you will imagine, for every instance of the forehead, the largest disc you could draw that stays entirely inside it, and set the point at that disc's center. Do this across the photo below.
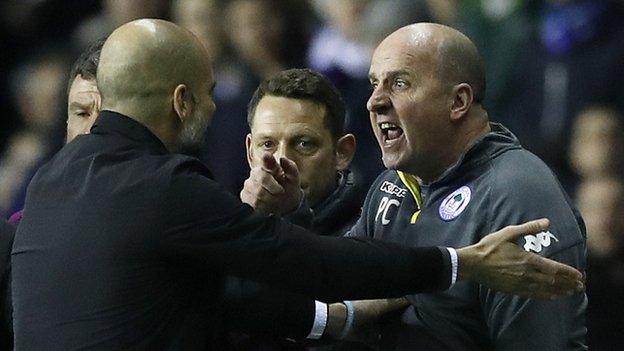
(278, 113)
(409, 55)
(81, 86)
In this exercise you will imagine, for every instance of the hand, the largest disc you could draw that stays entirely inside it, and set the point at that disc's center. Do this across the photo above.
(273, 187)
(498, 263)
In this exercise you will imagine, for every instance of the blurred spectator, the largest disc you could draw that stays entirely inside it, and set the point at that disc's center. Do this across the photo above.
(339, 43)
(597, 156)
(25, 27)
(500, 29)
(601, 200)
(383, 17)
(38, 89)
(115, 13)
(204, 19)
(597, 143)
(571, 60)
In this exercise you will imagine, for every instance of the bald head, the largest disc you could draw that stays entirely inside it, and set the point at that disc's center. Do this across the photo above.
(454, 55)
(157, 73)
(146, 58)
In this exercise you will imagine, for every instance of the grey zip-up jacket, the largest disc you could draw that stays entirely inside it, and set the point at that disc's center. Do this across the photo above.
(494, 184)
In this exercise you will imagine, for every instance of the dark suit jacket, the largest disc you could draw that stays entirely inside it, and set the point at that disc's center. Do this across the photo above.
(124, 246)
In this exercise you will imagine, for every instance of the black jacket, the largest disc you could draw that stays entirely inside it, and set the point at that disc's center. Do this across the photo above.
(124, 246)
(340, 210)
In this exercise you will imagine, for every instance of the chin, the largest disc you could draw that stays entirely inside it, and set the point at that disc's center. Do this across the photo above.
(391, 162)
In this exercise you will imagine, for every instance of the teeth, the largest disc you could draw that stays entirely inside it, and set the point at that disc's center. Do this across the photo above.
(387, 125)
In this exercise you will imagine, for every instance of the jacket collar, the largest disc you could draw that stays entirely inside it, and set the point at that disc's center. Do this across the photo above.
(339, 205)
(116, 123)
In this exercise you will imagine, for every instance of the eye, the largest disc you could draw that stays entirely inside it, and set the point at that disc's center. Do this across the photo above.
(83, 114)
(306, 145)
(400, 83)
(267, 144)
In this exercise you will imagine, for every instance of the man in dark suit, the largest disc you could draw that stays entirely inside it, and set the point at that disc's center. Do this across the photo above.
(125, 243)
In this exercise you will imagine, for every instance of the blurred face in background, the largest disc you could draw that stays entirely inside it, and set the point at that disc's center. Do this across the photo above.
(296, 129)
(123, 11)
(601, 201)
(597, 143)
(39, 93)
(256, 29)
(83, 107)
(202, 18)
(343, 15)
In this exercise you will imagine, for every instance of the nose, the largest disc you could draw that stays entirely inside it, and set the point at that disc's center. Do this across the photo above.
(379, 101)
(282, 151)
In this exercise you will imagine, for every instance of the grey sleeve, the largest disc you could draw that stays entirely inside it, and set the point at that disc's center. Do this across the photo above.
(524, 190)
(519, 324)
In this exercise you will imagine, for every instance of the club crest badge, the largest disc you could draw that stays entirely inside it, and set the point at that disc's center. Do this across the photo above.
(454, 204)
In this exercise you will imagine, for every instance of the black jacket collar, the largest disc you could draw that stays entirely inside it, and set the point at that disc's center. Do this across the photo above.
(109, 122)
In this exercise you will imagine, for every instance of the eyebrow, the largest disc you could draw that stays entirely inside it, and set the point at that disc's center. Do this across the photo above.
(400, 72)
(77, 104)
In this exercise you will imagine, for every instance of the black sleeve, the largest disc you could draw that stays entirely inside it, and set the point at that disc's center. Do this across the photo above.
(257, 308)
(528, 190)
(302, 216)
(209, 228)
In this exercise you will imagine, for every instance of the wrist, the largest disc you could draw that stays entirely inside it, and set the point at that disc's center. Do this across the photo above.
(336, 319)
(468, 258)
(348, 325)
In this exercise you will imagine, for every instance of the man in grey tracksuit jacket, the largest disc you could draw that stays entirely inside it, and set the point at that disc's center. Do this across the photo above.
(494, 184)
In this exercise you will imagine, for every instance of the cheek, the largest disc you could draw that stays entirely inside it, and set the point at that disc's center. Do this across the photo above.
(318, 170)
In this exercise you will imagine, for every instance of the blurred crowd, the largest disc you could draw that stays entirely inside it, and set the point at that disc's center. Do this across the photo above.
(554, 69)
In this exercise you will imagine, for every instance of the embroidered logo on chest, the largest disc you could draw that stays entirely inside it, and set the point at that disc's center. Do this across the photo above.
(454, 204)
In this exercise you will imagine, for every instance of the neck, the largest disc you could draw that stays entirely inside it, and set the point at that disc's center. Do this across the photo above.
(448, 156)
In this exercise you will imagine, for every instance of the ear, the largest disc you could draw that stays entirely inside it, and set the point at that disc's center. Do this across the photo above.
(345, 149)
(97, 107)
(462, 101)
(181, 102)
(249, 149)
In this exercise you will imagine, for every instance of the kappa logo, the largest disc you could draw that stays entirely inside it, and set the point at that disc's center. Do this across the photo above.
(538, 241)
(392, 189)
